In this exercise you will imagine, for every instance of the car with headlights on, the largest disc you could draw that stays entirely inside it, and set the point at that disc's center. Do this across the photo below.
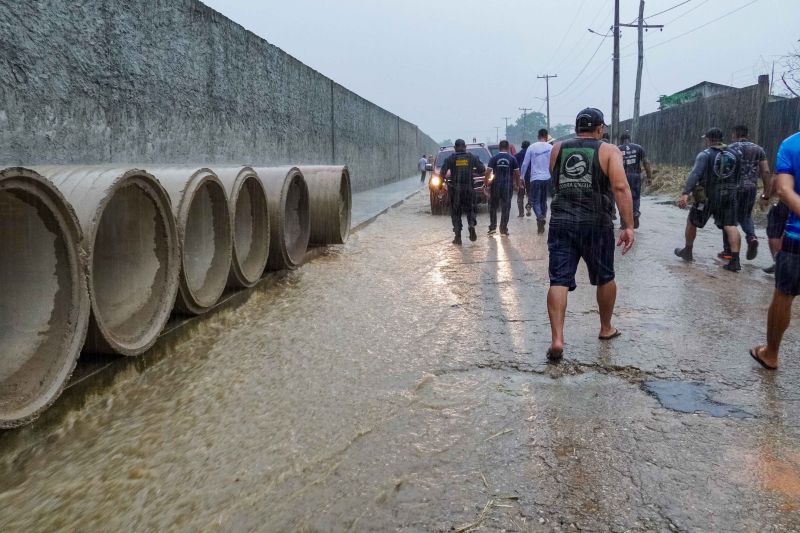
(440, 200)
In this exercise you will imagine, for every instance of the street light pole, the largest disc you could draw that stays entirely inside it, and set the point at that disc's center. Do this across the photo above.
(497, 134)
(506, 119)
(615, 89)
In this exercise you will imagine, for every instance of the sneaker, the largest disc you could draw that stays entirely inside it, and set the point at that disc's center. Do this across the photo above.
(685, 254)
(521, 215)
(725, 255)
(457, 239)
(491, 232)
(636, 222)
(473, 236)
(733, 266)
(540, 228)
(504, 233)
(770, 269)
(528, 210)
(752, 249)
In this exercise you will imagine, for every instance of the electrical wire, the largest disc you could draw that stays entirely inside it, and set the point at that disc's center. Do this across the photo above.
(576, 78)
(702, 25)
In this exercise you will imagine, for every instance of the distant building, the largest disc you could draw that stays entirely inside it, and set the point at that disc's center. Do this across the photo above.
(702, 90)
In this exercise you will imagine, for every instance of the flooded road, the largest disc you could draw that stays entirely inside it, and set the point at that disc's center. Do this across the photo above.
(398, 382)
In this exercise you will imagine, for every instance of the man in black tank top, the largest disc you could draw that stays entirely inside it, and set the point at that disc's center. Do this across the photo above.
(588, 177)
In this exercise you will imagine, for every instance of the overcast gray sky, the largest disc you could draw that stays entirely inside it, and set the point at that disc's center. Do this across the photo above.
(455, 68)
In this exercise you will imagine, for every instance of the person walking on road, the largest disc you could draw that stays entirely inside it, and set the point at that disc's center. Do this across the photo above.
(458, 169)
(526, 178)
(754, 165)
(537, 162)
(633, 159)
(502, 187)
(787, 266)
(588, 174)
(713, 182)
(422, 165)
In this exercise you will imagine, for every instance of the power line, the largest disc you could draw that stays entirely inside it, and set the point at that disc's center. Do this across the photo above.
(668, 9)
(584, 67)
(564, 36)
(702, 25)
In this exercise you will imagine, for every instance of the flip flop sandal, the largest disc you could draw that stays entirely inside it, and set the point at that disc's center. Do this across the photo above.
(614, 335)
(554, 356)
(754, 355)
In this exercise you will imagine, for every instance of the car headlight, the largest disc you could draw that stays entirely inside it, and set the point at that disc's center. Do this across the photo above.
(436, 181)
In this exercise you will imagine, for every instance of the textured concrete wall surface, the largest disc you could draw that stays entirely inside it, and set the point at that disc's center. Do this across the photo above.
(673, 136)
(173, 81)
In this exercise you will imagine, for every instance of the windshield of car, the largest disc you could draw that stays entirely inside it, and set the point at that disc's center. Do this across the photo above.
(441, 157)
(494, 150)
(482, 153)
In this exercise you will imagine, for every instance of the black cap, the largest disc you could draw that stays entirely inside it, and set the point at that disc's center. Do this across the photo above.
(589, 119)
(714, 134)
(460, 143)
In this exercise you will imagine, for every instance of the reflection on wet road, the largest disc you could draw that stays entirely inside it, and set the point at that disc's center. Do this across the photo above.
(399, 382)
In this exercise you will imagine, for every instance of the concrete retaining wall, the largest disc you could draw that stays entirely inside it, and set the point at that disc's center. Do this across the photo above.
(173, 81)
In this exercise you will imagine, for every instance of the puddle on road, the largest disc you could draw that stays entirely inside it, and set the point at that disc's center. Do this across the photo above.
(686, 397)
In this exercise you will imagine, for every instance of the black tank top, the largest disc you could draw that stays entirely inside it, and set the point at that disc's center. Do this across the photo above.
(583, 191)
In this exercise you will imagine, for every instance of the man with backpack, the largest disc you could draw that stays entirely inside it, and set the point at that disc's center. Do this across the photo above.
(713, 181)
(634, 159)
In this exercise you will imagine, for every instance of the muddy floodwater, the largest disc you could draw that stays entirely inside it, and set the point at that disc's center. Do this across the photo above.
(399, 383)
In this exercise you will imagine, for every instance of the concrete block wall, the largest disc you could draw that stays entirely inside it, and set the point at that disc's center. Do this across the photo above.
(673, 136)
(173, 81)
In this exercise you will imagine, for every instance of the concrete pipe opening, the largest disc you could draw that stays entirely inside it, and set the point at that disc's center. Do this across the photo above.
(131, 242)
(289, 222)
(203, 219)
(247, 201)
(44, 303)
(330, 203)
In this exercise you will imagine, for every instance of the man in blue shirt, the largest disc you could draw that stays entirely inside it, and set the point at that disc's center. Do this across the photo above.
(787, 263)
(501, 187)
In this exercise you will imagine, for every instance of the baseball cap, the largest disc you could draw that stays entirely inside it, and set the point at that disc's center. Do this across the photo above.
(590, 118)
(713, 134)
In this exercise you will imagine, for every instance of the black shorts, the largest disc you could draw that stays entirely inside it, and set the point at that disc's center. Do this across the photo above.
(776, 220)
(787, 269)
(568, 244)
(723, 208)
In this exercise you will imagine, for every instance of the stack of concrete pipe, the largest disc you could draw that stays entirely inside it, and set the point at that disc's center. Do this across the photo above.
(97, 258)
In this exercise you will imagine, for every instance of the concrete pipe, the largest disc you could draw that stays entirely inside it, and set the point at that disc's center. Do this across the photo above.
(289, 223)
(330, 203)
(132, 249)
(247, 201)
(44, 303)
(203, 219)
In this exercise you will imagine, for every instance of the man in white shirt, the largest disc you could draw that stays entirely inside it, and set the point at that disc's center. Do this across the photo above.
(423, 168)
(537, 158)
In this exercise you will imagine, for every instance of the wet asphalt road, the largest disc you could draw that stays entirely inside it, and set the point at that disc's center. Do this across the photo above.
(399, 383)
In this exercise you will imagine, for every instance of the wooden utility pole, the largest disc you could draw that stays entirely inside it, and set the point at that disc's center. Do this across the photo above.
(615, 89)
(641, 26)
(524, 122)
(546, 79)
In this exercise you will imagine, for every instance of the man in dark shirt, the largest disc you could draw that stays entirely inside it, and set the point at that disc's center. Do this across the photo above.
(713, 181)
(587, 175)
(633, 158)
(754, 165)
(458, 169)
(525, 189)
(501, 187)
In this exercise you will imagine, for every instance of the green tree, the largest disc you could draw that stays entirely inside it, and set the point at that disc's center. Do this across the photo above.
(525, 127)
(446, 142)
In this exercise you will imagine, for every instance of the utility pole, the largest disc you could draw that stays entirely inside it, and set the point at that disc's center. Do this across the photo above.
(615, 90)
(524, 121)
(546, 79)
(497, 134)
(506, 119)
(641, 26)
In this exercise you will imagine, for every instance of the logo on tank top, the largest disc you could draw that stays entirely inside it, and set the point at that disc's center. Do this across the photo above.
(576, 171)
